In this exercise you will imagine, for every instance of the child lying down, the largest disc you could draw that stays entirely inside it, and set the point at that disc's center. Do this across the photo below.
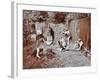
(78, 45)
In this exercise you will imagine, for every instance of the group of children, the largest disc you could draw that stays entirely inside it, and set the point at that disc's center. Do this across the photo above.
(42, 32)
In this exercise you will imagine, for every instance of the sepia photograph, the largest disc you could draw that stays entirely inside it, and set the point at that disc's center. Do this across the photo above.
(55, 39)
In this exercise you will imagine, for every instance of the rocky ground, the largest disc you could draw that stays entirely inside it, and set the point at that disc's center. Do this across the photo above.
(56, 59)
(71, 58)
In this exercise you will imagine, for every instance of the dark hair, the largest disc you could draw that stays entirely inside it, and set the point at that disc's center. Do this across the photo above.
(52, 32)
(40, 20)
(39, 36)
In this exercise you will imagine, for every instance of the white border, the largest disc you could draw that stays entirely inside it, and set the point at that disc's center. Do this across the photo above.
(18, 42)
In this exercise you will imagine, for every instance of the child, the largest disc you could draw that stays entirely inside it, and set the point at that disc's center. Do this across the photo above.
(68, 37)
(50, 36)
(39, 44)
(62, 43)
(78, 45)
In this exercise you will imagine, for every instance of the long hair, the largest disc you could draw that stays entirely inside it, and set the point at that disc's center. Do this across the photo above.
(51, 32)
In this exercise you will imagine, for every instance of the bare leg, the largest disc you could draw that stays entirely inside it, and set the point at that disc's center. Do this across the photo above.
(67, 43)
(37, 54)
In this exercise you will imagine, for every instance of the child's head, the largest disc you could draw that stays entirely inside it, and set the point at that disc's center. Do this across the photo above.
(79, 40)
(40, 19)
